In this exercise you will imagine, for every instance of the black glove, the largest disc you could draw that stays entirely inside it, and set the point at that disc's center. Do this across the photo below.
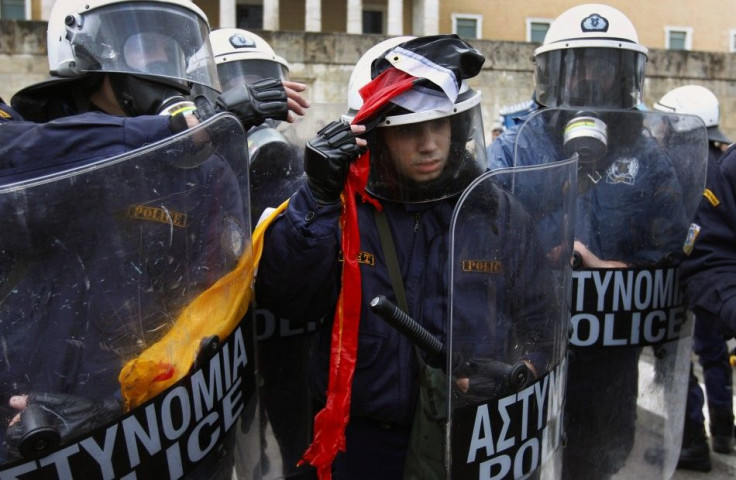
(253, 103)
(490, 378)
(327, 160)
(53, 418)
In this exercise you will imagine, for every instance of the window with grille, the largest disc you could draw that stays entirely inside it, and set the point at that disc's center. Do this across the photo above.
(250, 17)
(536, 29)
(678, 38)
(12, 9)
(467, 26)
(372, 21)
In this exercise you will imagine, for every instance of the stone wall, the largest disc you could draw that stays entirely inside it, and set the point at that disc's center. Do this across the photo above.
(324, 61)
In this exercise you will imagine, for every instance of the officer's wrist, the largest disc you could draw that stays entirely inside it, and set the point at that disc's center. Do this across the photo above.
(182, 116)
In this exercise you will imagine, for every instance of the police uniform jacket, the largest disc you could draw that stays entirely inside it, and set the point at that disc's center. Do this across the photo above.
(95, 267)
(299, 277)
(708, 270)
(635, 213)
(7, 114)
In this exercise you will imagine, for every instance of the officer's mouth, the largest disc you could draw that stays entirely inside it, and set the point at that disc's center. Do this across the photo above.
(426, 166)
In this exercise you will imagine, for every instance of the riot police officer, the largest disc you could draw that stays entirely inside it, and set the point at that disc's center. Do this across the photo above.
(118, 236)
(425, 146)
(275, 170)
(244, 58)
(630, 215)
(709, 343)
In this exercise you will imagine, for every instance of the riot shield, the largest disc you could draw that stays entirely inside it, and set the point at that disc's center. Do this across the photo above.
(507, 337)
(124, 283)
(276, 168)
(630, 340)
(284, 345)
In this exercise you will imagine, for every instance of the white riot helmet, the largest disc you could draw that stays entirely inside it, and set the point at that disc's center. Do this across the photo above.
(244, 57)
(591, 57)
(695, 100)
(165, 40)
(424, 108)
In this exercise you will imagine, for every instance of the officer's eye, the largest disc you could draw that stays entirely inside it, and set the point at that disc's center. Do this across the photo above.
(438, 123)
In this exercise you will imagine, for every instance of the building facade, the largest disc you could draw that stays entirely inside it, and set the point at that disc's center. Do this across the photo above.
(324, 62)
(667, 24)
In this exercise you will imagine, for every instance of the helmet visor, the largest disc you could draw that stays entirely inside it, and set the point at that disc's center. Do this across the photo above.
(153, 39)
(590, 77)
(427, 160)
(239, 72)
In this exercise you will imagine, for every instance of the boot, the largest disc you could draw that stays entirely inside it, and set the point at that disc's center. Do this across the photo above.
(721, 430)
(695, 454)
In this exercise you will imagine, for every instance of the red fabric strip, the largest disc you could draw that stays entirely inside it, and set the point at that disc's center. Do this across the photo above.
(330, 422)
(379, 91)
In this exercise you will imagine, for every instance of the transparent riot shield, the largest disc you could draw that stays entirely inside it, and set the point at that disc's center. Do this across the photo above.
(284, 345)
(509, 277)
(637, 188)
(124, 284)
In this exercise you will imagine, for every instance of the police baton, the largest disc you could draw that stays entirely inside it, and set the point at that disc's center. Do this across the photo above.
(407, 326)
(516, 377)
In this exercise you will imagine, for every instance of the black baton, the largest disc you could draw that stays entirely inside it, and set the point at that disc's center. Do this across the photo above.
(407, 326)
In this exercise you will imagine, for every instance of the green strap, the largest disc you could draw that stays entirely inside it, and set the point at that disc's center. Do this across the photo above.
(392, 261)
(394, 272)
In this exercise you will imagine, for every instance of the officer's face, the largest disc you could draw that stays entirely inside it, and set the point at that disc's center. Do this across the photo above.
(152, 52)
(419, 150)
(592, 82)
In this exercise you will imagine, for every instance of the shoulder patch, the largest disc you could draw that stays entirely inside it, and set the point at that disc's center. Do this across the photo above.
(233, 236)
(692, 235)
(711, 197)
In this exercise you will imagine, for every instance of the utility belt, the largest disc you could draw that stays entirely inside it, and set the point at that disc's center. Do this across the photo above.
(368, 422)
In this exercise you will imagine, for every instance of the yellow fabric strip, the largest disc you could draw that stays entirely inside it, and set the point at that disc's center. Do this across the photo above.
(216, 311)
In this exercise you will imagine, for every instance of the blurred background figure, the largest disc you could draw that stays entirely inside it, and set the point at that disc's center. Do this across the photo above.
(496, 130)
(709, 344)
(244, 58)
(276, 171)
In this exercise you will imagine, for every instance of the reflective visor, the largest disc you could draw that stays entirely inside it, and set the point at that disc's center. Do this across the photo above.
(429, 159)
(158, 39)
(248, 71)
(590, 77)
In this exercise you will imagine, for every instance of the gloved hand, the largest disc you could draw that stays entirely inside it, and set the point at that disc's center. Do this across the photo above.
(327, 160)
(52, 418)
(488, 378)
(253, 103)
(178, 109)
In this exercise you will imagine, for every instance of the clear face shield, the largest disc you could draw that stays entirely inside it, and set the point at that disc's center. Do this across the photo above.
(670, 130)
(241, 72)
(590, 77)
(150, 39)
(427, 156)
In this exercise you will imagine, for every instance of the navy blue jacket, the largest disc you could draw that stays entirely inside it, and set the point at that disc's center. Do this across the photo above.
(634, 214)
(708, 273)
(96, 268)
(7, 114)
(299, 275)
